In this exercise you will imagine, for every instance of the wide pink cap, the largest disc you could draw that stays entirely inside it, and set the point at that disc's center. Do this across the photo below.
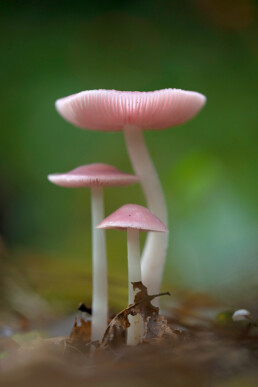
(112, 110)
(135, 217)
(93, 175)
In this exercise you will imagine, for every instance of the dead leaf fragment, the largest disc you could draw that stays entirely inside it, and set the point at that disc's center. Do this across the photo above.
(155, 325)
(80, 334)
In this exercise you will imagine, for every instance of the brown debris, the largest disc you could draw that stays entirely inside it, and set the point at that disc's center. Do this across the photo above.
(80, 334)
(155, 325)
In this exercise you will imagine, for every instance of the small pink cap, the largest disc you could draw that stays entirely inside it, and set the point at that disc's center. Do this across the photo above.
(112, 110)
(135, 217)
(93, 175)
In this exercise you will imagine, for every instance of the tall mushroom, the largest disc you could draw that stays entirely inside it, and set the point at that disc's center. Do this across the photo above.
(133, 112)
(96, 176)
(133, 218)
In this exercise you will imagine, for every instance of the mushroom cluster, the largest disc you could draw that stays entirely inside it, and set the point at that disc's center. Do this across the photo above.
(130, 112)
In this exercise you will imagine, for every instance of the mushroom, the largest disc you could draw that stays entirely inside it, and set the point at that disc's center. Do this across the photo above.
(133, 218)
(241, 315)
(133, 112)
(96, 176)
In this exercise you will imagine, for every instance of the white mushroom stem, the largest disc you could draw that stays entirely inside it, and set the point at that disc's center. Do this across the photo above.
(99, 267)
(134, 332)
(154, 254)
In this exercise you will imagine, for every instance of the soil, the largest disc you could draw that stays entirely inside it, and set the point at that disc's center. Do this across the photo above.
(186, 348)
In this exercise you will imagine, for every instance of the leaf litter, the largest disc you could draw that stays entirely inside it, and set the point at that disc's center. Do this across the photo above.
(155, 326)
(184, 348)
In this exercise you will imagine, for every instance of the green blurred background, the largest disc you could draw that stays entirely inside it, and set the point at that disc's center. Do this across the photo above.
(51, 49)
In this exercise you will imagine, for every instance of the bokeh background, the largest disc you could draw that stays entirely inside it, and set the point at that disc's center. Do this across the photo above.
(208, 166)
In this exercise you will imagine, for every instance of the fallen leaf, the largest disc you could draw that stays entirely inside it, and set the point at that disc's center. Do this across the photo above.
(80, 334)
(155, 325)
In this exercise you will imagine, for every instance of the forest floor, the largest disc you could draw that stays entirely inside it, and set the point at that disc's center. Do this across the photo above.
(194, 343)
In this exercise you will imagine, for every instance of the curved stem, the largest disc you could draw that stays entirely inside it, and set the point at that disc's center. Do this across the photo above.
(134, 332)
(154, 254)
(99, 268)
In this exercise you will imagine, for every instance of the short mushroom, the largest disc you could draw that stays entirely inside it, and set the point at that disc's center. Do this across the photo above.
(241, 315)
(133, 218)
(133, 112)
(96, 176)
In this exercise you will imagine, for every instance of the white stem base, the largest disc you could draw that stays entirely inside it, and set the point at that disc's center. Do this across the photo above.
(134, 332)
(99, 268)
(154, 254)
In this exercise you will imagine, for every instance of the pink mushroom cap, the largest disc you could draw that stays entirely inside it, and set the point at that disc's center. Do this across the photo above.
(91, 175)
(112, 110)
(135, 217)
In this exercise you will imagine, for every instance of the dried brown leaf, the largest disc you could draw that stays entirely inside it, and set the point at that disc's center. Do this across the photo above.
(80, 334)
(155, 325)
